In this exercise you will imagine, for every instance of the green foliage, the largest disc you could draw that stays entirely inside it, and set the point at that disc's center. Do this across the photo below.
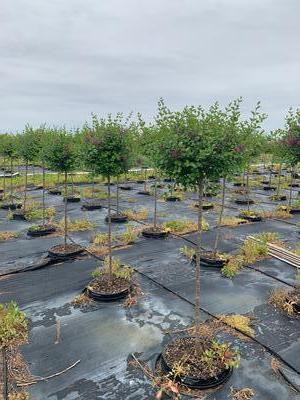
(183, 226)
(29, 144)
(194, 143)
(8, 145)
(220, 352)
(60, 151)
(290, 137)
(13, 327)
(107, 145)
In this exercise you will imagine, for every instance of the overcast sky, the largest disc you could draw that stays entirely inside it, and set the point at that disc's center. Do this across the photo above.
(60, 60)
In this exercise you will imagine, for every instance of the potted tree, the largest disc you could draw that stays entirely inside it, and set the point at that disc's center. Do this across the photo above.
(61, 156)
(149, 142)
(279, 157)
(9, 152)
(13, 334)
(45, 228)
(28, 148)
(254, 144)
(192, 148)
(291, 145)
(108, 147)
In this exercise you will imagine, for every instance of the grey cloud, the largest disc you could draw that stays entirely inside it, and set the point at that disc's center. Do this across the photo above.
(62, 59)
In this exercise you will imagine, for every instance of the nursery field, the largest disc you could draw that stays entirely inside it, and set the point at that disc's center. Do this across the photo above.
(113, 348)
(151, 261)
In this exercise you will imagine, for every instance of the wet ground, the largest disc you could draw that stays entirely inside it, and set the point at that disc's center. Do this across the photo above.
(104, 336)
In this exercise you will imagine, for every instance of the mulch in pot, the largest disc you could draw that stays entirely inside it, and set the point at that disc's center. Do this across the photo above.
(55, 191)
(104, 289)
(244, 201)
(172, 198)
(41, 230)
(281, 197)
(19, 215)
(155, 233)
(250, 217)
(11, 206)
(144, 192)
(293, 299)
(209, 259)
(117, 218)
(61, 252)
(185, 351)
(91, 205)
(72, 199)
(205, 206)
(125, 187)
(268, 187)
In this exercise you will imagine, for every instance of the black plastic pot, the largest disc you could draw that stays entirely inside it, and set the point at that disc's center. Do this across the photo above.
(151, 177)
(11, 206)
(265, 182)
(144, 192)
(280, 198)
(197, 383)
(58, 255)
(295, 211)
(296, 185)
(210, 262)
(120, 218)
(140, 181)
(54, 192)
(173, 198)
(126, 187)
(209, 194)
(252, 218)
(72, 199)
(237, 184)
(267, 187)
(19, 216)
(205, 206)
(43, 231)
(150, 233)
(243, 201)
(168, 180)
(107, 296)
(110, 184)
(91, 206)
(296, 307)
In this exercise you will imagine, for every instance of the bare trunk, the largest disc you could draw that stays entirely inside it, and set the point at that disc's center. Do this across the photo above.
(11, 181)
(270, 175)
(198, 256)
(109, 229)
(243, 181)
(291, 187)
(66, 212)
(117, 193)
(25, 189)
(279, 179)
(57, 183)
(145, 179)
(72, 183)
(4, 179)
(220, 216)
(93, 188)
(4, 375)
(155, 204)
(44, 183)
(247, 190)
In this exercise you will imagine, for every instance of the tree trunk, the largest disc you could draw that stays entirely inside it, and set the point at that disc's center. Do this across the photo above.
(4, 374)
(109, 230)
(279, 179)
(11, 180)
(4, 179)
(72, 183)
(93, 188)
(44, 183)
(198, 256)
(57, 183)
(247, 190)
(66, 212)
(25, 189)
(220, 217)
(270, 175)
(117, 194)
(243, 181)
(155, 204)
(291, 187)
(145, 179)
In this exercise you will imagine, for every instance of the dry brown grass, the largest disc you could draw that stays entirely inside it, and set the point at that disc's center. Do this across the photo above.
(241, 394)
(138, 215)
(8, 235)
